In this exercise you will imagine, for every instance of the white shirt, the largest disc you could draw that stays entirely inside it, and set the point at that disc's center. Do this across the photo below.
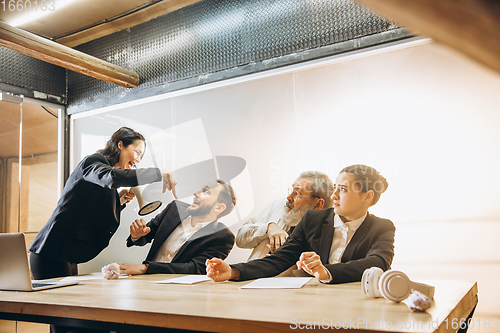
(176, 240)
(253, 233)
(342, 235)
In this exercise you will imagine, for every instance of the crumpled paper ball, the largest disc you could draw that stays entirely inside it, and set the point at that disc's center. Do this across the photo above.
(111, 271)
(418, 302)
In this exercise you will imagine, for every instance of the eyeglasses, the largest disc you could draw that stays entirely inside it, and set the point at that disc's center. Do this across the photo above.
(296, 193)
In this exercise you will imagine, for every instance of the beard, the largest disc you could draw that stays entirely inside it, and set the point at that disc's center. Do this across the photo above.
(199, 211)
(293, 217)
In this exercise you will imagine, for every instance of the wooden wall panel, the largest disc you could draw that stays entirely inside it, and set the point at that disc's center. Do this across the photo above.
(3, 175)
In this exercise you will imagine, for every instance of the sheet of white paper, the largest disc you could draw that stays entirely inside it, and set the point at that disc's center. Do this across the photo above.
(188, 279)
(277, 283)
(92, 276)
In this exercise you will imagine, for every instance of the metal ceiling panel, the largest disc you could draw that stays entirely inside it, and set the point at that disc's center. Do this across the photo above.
(216, 39)
(22, 74)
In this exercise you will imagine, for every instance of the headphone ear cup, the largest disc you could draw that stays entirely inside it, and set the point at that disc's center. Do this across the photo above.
(395, 285)
(370, 281)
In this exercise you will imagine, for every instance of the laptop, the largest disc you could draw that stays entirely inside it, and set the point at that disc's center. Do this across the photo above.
(14, 268)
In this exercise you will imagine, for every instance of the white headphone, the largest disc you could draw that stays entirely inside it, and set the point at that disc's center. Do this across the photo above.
(392, 285)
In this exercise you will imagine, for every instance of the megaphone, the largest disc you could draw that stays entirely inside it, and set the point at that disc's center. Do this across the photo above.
(147, 203)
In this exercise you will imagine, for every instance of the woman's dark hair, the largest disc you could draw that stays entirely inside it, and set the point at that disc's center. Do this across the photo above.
(127, 136)
(367, 178)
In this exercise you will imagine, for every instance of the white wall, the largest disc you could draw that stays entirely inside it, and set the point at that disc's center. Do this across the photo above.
(422, 115)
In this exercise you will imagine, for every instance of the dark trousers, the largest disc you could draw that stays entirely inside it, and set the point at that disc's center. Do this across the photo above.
(45, 268)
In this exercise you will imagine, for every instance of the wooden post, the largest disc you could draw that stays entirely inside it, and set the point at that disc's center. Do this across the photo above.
(469, 26)
(124, 22)
(12, 197)
(41, 48)
(3, 196)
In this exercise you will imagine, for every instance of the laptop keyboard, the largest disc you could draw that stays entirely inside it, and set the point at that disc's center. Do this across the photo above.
(40, 284)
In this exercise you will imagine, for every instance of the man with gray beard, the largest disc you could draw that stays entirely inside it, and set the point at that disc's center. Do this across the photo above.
(268, 230)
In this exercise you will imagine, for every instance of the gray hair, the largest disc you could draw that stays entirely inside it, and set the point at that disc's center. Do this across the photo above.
(321, 186)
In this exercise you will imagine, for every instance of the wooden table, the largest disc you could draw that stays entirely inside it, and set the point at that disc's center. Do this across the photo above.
(134, 303)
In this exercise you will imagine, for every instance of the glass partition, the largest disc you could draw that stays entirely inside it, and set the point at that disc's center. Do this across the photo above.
(39, 185)
(28, 165)
(10, 126)
(29, 174)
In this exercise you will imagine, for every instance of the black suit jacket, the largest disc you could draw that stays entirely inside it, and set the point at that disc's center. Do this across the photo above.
(213, 240)
(88, 212)
(371, 245)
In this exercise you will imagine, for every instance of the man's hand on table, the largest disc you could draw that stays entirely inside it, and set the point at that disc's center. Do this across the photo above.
(220, 271)
(132, 269)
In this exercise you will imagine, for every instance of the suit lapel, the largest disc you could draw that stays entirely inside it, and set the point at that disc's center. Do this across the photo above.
(358, 236)
(116, 204)
(205, 231)
(326, 238)
(173, 221)
(167, 226)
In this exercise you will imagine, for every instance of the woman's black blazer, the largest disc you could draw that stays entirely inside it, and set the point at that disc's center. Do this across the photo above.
(88, 212)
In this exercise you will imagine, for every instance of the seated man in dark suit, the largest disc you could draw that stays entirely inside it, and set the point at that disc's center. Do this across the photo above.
(185, 236)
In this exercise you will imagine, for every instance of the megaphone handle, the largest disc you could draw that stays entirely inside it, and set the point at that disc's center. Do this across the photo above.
(122, 198)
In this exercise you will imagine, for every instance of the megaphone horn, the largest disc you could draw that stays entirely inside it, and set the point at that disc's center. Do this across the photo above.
(146, 205)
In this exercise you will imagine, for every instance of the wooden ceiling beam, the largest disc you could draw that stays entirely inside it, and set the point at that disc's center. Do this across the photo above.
(60, 55)
(127, 21)
(469, 26)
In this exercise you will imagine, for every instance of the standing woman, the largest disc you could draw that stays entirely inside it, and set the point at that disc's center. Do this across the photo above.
(88, 212)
